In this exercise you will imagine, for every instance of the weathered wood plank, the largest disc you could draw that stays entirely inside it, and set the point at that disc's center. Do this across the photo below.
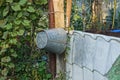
(59, 13)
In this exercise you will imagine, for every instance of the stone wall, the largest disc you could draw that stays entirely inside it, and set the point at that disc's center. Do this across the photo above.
(92, 56)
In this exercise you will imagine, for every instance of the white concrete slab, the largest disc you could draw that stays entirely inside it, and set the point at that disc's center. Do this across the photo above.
(98, 76)
(88, 75)
(78, 49)
(114, 52)
(89, 51)
(77, 73)
(69, 71)
(100, 59)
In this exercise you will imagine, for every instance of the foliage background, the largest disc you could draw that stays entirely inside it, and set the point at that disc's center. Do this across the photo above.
(19, 22)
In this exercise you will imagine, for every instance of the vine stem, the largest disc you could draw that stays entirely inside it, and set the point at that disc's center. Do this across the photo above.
(114, 14)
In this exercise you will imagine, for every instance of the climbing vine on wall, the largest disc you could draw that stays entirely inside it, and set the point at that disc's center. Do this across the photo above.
(19, 22)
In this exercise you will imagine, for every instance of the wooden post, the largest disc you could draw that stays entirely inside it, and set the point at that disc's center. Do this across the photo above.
(83, 14)
(51, 14)
(114, 14)
(59, 23)
(96, 14)
(52, 57)
(68, 12)
(56, 17)
(59, 13)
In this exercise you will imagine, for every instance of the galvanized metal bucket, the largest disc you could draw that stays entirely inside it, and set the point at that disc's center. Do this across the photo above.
(53, 40)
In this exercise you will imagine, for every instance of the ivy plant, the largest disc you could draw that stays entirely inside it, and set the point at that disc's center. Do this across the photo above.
(19, 22)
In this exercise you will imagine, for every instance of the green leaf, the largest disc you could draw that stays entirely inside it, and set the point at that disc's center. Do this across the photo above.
(5, 11)
(13, 34)
(76, 17)
(20, 15)
(21, 32)
(41, 70)
(11, 50)
(14, 55)
(49, 76)
(26, 22)
(22, 2)
(2, 23)
(42, 63)
(11, 65)
(17, 22)
(8, 26)
(29, 3)
(40, 2)
(4, 72)
(3, 78)
(5, 35)
(6, 59)
(13, 41)
(26, 14)
(10, 1)
(44, 2)
(16, 7)
(33, 16)
(30, 9)
(2, 51)
(5, 46)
